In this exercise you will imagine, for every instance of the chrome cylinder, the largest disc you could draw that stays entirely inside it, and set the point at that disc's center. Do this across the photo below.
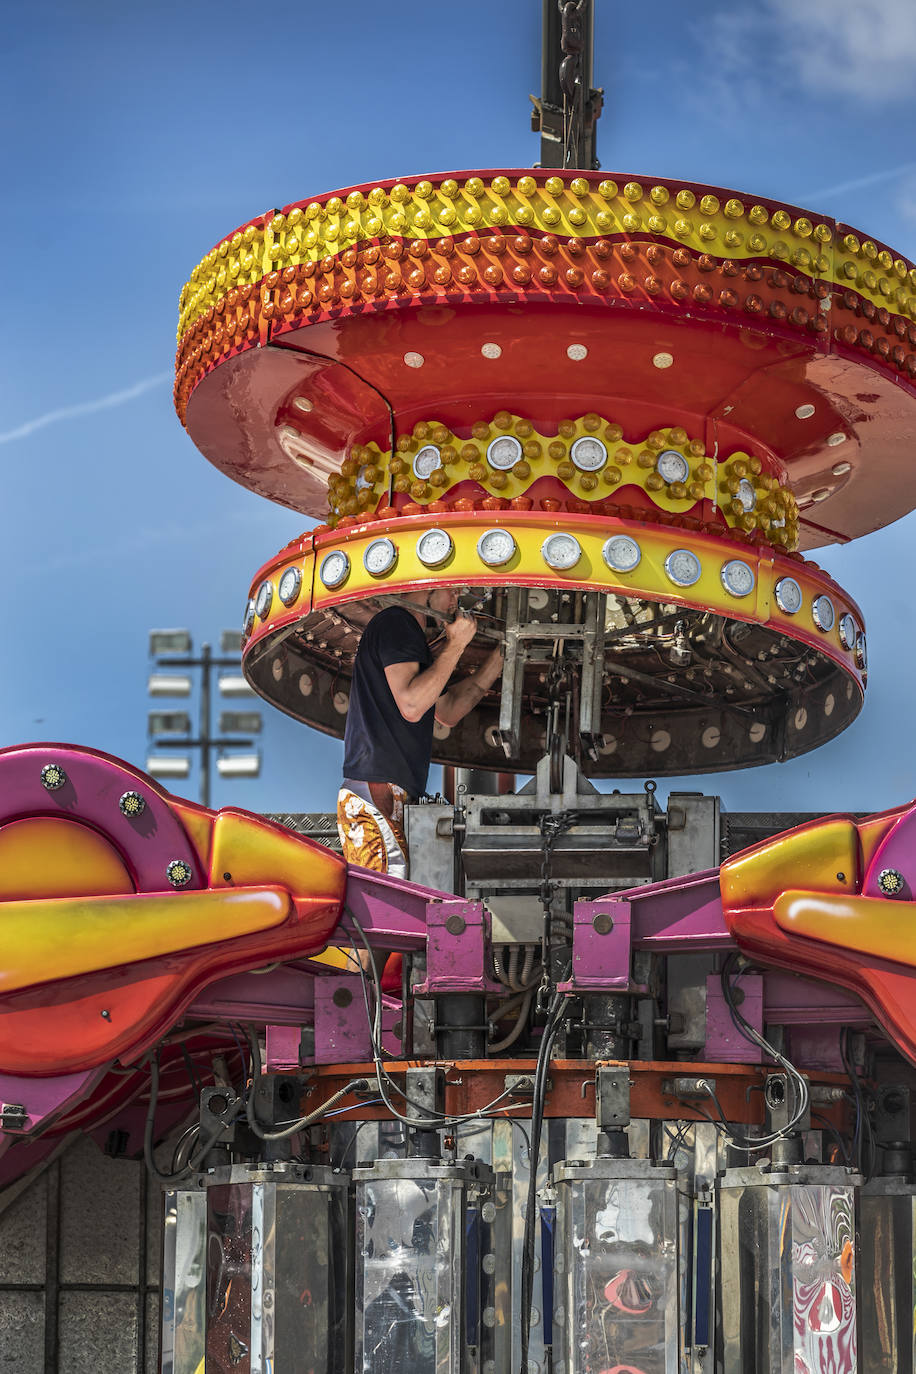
(412, 1261)
(184, 1258)
(616, 1268)
(787, 1256)
(277, 1270)
(887, 1280)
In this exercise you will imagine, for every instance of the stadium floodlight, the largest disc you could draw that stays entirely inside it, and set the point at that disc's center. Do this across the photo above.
(168, 766)
(171, 650)
(234, 685)
(169, 685)
(230, 642)
(239, 722)
(239, 766)
(169, 642)
(169, 723)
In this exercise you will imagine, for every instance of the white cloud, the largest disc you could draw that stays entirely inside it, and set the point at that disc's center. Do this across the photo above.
(864, 49)
(75, 412)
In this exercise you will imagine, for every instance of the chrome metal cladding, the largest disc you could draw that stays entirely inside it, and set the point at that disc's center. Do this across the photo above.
(616, 1267)
(266, 1223)
(788, 1244)
(411, 1239)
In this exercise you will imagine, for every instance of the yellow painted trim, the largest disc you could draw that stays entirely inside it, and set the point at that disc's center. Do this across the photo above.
(874, 926)
(68, 937)
(649, 579)
(811, 857)
(253, 851)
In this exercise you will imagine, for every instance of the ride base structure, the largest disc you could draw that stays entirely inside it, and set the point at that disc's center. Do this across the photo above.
(629, 1109)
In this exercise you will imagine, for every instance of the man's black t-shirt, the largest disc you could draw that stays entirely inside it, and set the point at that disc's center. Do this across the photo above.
(380, 745)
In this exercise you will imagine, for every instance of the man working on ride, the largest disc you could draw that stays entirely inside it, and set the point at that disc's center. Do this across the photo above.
(399, 687)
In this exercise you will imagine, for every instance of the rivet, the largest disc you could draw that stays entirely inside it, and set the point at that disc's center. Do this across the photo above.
(414, 359)
(577, 352)
(834, 439)
(662, 360)
(840, 469)
(804, 412)
(491, 350)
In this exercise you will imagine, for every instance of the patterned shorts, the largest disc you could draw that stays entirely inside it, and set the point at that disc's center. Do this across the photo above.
(371, 834)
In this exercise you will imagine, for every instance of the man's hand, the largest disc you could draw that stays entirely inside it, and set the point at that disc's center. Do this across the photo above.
(461, 630)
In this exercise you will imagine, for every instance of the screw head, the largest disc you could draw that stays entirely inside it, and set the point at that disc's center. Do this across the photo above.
(603, 924)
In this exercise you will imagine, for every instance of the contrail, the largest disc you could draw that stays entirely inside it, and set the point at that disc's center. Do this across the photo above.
(116, 398)
(860, 183)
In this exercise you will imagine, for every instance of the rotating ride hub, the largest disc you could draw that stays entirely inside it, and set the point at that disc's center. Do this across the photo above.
(612, 414)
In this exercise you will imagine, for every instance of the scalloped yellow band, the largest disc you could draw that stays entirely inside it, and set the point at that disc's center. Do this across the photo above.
(671, 468)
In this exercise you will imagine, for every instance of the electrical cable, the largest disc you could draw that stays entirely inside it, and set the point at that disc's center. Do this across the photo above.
(797, 1080)
(520, 1023)
(556, 1013)
(436, 1120)
(832, 1130)
(303, 1122)
(194, 1161)
(862, 1114)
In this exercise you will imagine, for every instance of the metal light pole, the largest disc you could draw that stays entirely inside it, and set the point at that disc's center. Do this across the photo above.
(179, 723)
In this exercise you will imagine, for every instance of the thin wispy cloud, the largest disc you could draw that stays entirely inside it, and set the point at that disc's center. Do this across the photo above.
(861, 183)
(82, 408)
(862, 49)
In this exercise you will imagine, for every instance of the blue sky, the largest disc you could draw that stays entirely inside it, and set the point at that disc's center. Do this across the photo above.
(135, 137)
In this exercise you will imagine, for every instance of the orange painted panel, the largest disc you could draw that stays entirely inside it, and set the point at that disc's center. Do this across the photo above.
(49, 856)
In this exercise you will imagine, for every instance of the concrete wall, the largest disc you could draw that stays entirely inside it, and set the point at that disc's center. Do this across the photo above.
(79, 1268)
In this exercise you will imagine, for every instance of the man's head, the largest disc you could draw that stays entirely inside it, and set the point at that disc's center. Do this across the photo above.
(442, 600)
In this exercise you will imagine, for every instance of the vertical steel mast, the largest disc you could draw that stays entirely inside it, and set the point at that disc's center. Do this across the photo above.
(568, 108)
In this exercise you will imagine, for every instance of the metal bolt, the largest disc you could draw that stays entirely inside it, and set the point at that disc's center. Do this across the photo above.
(342, 997)
(603, 924)
(456, 925)
(107, 1015)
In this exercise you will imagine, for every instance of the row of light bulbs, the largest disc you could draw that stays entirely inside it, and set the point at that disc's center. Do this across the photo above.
(561, 552)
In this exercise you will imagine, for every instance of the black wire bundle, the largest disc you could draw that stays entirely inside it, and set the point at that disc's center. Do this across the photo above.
(556, 1012)
(798, 1081)
(864, 1164)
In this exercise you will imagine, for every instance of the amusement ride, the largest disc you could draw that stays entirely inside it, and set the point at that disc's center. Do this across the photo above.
(640, 1102)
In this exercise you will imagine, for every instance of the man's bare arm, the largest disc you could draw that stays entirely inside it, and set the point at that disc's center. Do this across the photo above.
(455, 704)
(415, 692)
